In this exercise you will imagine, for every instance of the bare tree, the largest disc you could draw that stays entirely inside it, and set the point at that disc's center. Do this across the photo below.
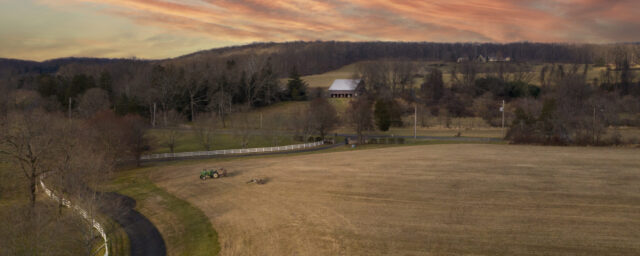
(272, 127)
(194, 85)
(323, 116)
(521, 72)
(79, 168)
(220, 98)
(360, 116)
(469, 71)
(134, 137)
(299, 121)
(205, 130)
(376, 78)
(93, 101)
(243, 128)
(401, 76)
(166, 82)
(28, 138)
(486, 107)
(108, 132)
(172, 131)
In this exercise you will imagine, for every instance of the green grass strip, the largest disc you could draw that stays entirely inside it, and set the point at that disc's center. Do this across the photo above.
(185, 228)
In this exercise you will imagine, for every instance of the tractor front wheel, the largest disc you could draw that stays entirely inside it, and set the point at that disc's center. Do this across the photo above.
(203, 177)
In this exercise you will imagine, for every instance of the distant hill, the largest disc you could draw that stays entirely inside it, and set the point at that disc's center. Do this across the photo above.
(51, 66)
(322, 56)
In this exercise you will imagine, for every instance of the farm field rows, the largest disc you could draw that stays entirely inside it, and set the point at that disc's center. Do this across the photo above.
(457, 199)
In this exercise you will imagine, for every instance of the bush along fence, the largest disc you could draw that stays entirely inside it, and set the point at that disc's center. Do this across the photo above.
(389, 140)
(82, 213)
(231, 151)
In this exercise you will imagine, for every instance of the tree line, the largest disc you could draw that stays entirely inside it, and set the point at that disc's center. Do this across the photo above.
(565, 107)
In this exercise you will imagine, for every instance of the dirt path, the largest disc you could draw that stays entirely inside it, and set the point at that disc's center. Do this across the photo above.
(438, 199)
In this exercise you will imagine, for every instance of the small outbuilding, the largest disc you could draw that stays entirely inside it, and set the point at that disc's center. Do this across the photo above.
(344, 88)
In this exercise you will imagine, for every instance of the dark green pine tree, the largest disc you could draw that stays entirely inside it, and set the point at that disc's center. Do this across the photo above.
(296, 87)
(382, 115)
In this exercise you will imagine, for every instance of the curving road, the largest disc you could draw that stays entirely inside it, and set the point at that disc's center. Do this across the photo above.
(144, 237)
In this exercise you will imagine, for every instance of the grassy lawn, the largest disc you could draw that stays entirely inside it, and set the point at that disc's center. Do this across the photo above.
(326, 79)
(118, 239)
(185, 229)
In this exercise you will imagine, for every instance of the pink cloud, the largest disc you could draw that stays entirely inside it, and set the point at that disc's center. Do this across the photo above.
(407, 20)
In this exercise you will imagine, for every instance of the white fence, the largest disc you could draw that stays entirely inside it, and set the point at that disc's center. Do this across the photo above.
(82, 212)
(231, 151)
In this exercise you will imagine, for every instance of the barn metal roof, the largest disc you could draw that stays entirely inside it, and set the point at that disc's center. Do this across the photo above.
(344, 85)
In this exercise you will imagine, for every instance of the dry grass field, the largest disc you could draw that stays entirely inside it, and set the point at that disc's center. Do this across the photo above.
(422, 200)
(325, 80)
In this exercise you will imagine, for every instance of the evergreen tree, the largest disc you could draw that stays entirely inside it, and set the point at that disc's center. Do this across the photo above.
(296, 87)
(382, 115)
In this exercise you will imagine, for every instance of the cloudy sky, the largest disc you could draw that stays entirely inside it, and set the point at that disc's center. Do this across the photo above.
(45, 29)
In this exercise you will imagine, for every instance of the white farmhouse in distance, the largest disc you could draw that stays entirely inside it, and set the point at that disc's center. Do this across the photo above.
(344, 88)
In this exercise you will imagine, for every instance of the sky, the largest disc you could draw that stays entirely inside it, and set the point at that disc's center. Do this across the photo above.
(153, 29)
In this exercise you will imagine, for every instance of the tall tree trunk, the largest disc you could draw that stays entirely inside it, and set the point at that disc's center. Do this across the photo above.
(193, 113)
(32, 187)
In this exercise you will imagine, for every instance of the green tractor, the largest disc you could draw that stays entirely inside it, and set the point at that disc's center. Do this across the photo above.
(213, 173)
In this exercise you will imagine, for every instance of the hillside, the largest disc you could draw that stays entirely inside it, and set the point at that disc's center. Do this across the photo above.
(319, 57)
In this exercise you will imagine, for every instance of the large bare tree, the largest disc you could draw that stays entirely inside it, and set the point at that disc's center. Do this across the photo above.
(360, 116)
(172, 129)
(205, 128)
(29, 139)
(92, 101)
(323, 116)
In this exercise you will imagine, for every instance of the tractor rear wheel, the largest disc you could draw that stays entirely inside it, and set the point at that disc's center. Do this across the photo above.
(216, 175)
(203, 177)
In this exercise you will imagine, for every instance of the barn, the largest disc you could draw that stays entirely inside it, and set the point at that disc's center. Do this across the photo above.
(344, 88)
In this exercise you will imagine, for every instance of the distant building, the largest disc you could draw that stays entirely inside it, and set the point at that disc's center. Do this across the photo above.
(498, 59)
(462, 59)
(345, 88)
(481, 59)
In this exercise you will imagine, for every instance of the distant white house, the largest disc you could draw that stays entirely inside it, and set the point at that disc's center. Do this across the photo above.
(462, 59)
(344, 88)
(499, 59)
(481, 59)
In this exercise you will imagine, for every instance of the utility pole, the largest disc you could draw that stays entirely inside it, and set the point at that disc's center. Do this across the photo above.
(593, 126)
(502, 110)
(415, 121)
(153, 122)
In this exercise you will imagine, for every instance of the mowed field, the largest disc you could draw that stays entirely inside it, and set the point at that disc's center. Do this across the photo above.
(457, 199)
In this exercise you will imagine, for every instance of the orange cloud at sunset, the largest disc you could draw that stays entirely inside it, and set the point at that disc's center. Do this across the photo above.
(225, 22)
